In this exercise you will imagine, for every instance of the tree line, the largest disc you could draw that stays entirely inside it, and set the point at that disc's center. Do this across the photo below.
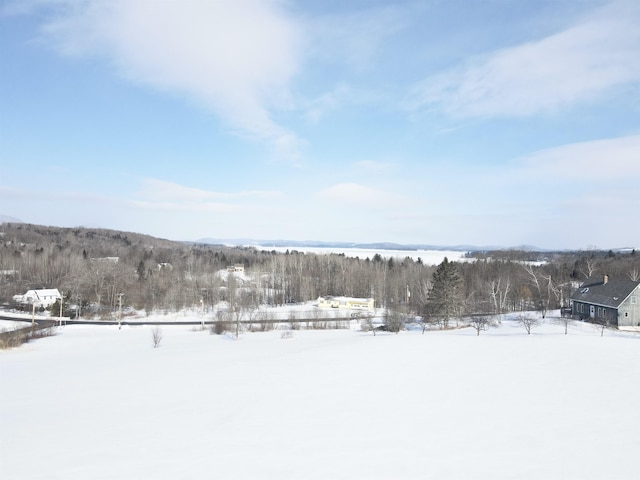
(96, 269)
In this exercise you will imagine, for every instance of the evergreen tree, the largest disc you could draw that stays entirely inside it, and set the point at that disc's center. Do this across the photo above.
(141, 271)
(445, 295)
(55, 308)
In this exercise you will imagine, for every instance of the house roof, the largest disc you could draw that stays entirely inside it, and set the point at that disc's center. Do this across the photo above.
(45, 292)
(609, 293)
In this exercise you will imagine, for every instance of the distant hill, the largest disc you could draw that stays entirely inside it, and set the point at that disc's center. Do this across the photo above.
(106, 240)
(33, 232)
(8, 219)
(321, 244)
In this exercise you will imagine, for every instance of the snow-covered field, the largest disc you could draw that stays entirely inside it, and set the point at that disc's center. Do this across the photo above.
(102, 403)
(428, 257)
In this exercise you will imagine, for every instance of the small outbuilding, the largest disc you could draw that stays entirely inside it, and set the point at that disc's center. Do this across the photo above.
(615, 301)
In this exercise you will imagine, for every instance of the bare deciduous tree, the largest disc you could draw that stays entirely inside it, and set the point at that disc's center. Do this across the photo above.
(589, 268)
(528, 322)
(603, 322)
(367, 324)
(480, 323)
(499, 293)
(156, 336)
(566, 320)
(425, 322)
(544, 289)
(294, 324)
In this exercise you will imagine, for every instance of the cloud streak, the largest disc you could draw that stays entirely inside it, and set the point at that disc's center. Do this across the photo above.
(575, 65)
(608, 160)
(153, 189)
(235, 58)
(355, 38)
(161, 195)
(357, 195)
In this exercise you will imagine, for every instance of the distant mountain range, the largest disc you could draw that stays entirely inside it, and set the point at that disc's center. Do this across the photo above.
(265, 244)
(248, 242)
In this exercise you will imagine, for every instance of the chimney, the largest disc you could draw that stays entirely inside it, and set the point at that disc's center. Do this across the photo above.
(605, 279)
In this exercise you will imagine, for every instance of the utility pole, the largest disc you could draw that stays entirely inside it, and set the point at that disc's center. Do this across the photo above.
(202, 303)
(120, 295)
(61, 302)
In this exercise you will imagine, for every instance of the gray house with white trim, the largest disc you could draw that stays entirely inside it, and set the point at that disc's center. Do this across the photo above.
(616, 301)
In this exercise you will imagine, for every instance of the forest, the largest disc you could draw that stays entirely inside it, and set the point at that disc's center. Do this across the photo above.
(100, 271)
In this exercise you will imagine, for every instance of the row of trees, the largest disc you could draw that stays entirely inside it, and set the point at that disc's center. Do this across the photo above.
(95, 267)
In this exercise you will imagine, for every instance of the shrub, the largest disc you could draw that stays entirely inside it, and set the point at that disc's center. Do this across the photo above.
(156, 336)
(17, 337)
(286, 334)
(219, 327)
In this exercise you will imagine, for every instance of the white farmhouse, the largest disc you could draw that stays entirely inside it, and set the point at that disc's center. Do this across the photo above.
(44, 297)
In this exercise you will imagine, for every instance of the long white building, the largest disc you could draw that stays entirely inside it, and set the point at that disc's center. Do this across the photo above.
(347, 303)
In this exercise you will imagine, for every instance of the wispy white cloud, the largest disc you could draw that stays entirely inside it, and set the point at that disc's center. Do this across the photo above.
(185, 205)
(352, 40)
(534, 196)
(579, 64)
(172, 198)
(355, 38)
(161, 195)
(609, 160)
(373, 166)
(357, 195)
(27, 194)
(200, 207)
(157, 195)
(235, 58)
(320, 106)
(154, 189)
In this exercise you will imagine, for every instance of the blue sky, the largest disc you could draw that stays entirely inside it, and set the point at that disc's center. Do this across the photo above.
(493, 122)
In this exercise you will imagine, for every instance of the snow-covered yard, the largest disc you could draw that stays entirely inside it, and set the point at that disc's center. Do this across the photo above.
(102, 403)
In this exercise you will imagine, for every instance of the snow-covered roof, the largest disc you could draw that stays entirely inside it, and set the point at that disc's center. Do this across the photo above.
(345, 299)
(44, 292)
